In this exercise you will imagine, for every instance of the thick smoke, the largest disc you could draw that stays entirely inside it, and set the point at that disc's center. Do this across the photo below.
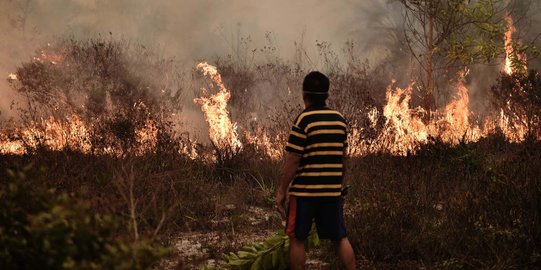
(193, 30)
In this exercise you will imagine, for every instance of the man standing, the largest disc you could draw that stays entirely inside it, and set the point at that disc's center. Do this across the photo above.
(314, 162)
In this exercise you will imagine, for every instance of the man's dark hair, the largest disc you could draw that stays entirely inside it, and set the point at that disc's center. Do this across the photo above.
(315, 87)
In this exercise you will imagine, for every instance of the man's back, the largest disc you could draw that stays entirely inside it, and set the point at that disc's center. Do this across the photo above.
(319, 135)
(312, 173)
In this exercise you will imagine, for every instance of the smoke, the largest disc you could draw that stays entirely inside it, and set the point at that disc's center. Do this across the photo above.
(193, 30)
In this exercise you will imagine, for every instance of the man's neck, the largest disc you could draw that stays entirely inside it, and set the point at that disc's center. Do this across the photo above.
(309, 104)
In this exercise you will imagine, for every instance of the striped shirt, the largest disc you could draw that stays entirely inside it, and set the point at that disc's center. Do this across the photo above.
(319, 135)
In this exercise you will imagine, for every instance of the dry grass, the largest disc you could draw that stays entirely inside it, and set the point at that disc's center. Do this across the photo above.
(465, 206)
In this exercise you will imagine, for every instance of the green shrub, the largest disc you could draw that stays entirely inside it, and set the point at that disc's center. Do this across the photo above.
(40, 229)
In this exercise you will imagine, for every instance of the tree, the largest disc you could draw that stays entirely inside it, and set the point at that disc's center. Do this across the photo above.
(446, 34)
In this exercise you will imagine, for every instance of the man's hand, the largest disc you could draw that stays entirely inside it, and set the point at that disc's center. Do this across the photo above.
(289, 168)
(279, 203)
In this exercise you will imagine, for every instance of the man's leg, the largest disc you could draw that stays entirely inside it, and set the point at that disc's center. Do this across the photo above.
(345, 252)
(297, 255)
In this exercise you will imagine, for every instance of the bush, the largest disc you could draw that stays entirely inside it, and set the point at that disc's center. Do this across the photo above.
(42, 230)
(466, 206)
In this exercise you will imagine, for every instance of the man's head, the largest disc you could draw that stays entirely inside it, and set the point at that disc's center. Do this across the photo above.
(315, 88)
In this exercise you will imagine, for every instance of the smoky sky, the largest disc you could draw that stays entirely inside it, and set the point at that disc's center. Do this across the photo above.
(195, 28)
(191, 30)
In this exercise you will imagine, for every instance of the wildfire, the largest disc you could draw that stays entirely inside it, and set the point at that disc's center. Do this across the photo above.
(403, 127)
(395, 128)
(222, 131)
(264, 143)
(147, 137)
(512, 127)
(510, 53)
(50, 133)
(456, 117)
(508, 68)
(50, 57)
(71, 133)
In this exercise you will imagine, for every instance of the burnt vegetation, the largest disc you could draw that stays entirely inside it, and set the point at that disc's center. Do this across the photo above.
(475, 205)
(519, 96)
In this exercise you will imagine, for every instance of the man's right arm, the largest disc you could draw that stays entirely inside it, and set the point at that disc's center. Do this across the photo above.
(289, 168)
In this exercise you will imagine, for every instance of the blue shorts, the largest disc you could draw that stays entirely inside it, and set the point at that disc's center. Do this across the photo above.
(327, 213)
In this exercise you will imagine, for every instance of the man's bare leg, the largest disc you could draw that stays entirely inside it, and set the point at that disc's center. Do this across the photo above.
(345, 252)
(297, 255)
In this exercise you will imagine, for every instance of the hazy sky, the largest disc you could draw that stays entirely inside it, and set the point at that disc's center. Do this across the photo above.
(192, 29)
(198, 28)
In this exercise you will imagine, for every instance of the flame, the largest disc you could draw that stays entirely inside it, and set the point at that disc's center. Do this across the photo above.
(50, 57)
(265, 144)
(510, 53)
(456, 117)
(395, 128)
(222, 131)
(403, 128)
(73, 134)
(513, 127)
(509, 50)
(147, 137)
(70, 133)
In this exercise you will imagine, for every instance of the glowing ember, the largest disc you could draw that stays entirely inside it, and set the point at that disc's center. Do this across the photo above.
(50, 57)
(222, 131)
(147, 137)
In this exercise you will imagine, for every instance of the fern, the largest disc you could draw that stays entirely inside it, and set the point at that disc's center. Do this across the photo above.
(273, 253)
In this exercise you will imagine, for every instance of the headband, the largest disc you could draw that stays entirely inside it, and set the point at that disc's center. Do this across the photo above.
(315, 93)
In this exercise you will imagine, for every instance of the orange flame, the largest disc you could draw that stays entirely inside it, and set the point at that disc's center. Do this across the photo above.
(72, 133)
(222, 131)
(456, 117)
(264, 143)
(509, 50)
(404, 130)
(511, 54)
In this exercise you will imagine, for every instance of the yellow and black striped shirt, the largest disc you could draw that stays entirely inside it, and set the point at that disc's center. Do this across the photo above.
(319, 135)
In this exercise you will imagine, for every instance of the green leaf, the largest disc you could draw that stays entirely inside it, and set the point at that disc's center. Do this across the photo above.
(275, 260)
(240, 262)
(257, 264)
(245, 254)
(266, 261)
